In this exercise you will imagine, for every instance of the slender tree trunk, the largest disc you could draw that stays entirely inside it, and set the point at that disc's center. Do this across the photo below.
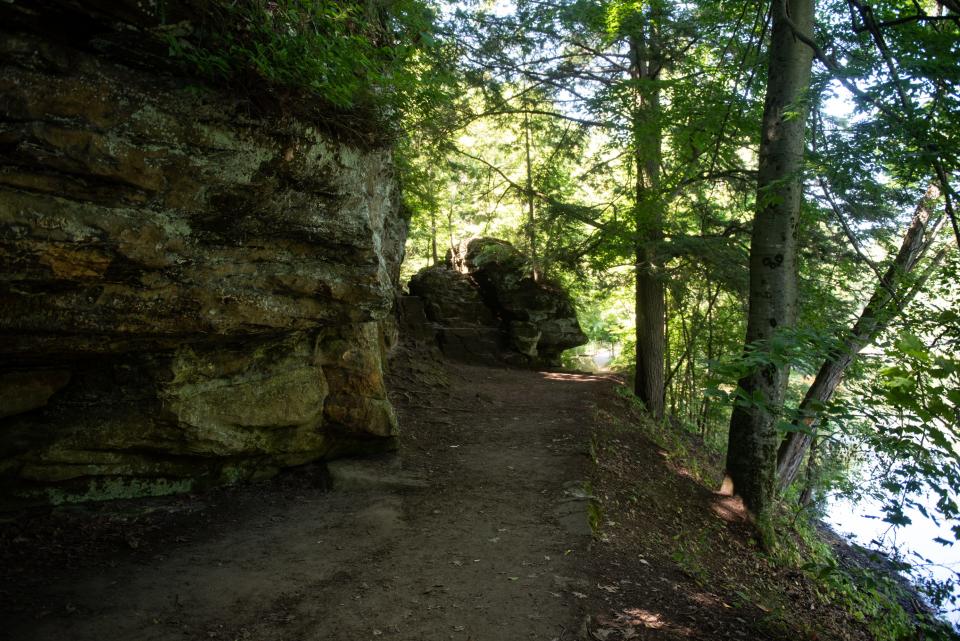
(886, 302)
(753, 439)
(433, 236)
(433, 221)
(670, 369)
(650, 305)
(691, 383)
(705, 403)
(531, 220)
(813, 474)
(453, 248)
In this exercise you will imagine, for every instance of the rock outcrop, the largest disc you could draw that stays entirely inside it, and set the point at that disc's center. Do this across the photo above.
(541, 319)
(486, 305)
(189, 294)
(466, 328)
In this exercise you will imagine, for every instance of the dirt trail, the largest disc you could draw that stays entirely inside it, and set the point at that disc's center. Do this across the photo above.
(493, 548)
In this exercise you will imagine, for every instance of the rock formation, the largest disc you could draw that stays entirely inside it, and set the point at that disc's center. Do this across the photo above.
(190, 294)
(484, 301)
(466, 328)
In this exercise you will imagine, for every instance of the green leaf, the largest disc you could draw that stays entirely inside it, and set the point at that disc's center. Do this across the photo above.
(801, 428)
(911, 345)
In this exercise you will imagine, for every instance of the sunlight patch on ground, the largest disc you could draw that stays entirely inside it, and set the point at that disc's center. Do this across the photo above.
(559, 376)
(630, 623)
(729, 508)
(707, 599)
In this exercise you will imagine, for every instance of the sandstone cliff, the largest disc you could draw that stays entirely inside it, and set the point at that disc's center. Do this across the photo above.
(189, 293)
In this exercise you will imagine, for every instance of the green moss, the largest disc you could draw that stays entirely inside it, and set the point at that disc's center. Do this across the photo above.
(113, 488)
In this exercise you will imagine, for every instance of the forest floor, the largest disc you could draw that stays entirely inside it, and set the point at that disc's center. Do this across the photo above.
(527, 506)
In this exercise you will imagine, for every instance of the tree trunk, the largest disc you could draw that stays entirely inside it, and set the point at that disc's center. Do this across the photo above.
(650, 306)
(648, 382)
(886, 302)
(531, 220)
(753, 439)
(433, 236)
(705, 403)
(813, 476)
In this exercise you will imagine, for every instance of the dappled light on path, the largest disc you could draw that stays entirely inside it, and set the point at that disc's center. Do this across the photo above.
(574, 377)
(729, 508)
(629, 623)
(563, 376)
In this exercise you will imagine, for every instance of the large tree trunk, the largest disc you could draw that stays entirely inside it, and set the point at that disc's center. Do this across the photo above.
(650, 310)
(753, 440)
(886, 302)
(650, 306)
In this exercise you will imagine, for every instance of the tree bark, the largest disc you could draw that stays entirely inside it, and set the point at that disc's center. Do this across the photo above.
(531, 220)
(649, 379)
(433, 235)
(886, 302)
(650, 304)
(753, 439)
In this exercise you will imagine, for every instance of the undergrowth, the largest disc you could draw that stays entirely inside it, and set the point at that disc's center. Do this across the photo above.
(872, 597)
(362, 65)
(684, 445)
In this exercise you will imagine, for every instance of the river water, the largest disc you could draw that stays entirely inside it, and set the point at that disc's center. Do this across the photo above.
(862, 522)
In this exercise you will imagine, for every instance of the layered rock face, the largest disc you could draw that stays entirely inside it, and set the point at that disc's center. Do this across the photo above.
(484, 302)
(466, 328)
(188, 294)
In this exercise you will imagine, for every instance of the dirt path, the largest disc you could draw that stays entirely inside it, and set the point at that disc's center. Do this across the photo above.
(492, 548)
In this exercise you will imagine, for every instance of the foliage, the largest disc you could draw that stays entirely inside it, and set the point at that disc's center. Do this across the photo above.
(883, 127)
(872, 595)
(324, 58)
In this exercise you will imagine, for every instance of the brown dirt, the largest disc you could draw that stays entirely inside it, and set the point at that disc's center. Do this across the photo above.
(680, 560)
(498, 547)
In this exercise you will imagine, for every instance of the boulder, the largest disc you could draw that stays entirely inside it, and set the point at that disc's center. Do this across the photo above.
(541, 320)
(451, 298)
(466, 328)
(485, 304)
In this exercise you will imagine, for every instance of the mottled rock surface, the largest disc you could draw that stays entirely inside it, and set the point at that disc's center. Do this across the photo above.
(541, 319)
(189, 294)
(485, 303)
(466, 328)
